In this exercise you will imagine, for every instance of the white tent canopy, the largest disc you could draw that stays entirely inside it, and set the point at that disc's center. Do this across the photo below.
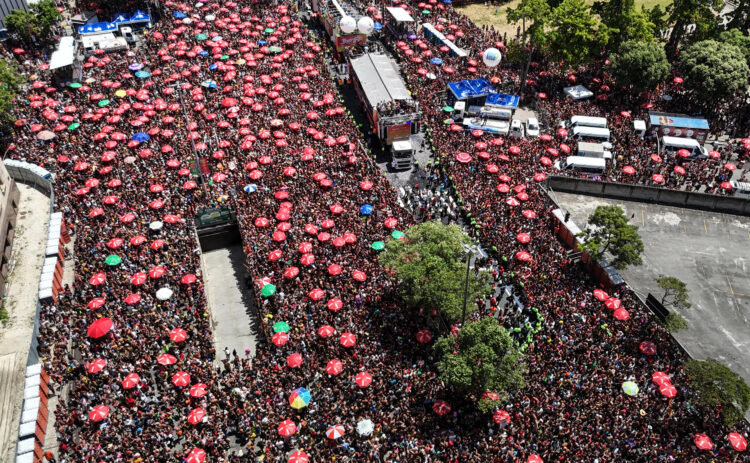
(64, 55)
(579, 92)
(400, 15)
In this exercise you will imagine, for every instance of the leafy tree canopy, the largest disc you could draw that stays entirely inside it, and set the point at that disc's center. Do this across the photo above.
(676, 293)
(536, 13)
(738, 39)
(714, 70)
(718, 386)
(641, 65)
(609, 231)
(576, 36)
(22, 24)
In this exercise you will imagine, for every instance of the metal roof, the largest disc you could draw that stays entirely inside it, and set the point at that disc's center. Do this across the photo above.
(379, 79)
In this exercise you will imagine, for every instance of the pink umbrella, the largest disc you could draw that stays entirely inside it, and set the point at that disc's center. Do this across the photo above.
(523, 256)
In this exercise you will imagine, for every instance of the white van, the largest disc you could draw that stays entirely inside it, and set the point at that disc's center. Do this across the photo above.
(516, 129)
(593, 150)
(591, 167)
(740, 188)
(675, 144)
(532, 127)
(583, 132)
(586, 121)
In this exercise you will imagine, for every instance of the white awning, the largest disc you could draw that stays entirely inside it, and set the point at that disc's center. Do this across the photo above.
(579, 92)
(64, 55)
(380, 81)
(400, 15)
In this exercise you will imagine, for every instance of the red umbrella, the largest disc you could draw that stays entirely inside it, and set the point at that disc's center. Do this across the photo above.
(95, 303)
(294, 360)
(286, 428)
(291, 272)
(660, 378)
(325, 331)
(730, 166)
(648, 348)
(181, 379)
(703, 442)
(424, 336)
(305, 247)
(156, 272)
(298, 457)
(529, 214)
(668, 391)
(334, 367)
(335, 431)
(131, 381)
(137, 240)
(359, 275)
(726, 185)
(98, 279)
(188, 279)
(363, 379)
(523, 256)
(133, 299)
(683, 153)
(677, 80)
(335, 304)
(196, 416)
(96, 365)
(280, 338)
(714, 154)
(658, 178)
(534, 458)
(523, 238)
(630, 170)
(621, 314)
(166, 359)
(138, 278)
(738, 442)
(178, 335)
(334, 269)
(613, 303)
(99, 413)
(601, 295)
(348, 340)
(99, 328)
(390, 222)
(441, 407)
(463, 158)
(196, 456)
(501, 416)
(316, 294)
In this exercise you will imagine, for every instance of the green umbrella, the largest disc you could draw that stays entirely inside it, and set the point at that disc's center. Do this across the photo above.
(268, 290)
(378, 245)
(113, 259)
(396, 234)
(630, 388)
(103, 103)
(274, 49)
(224, 57)
(425, 11)
(281, 327)
(74, 85)
(268, 30)
(200, 37)
(74, 125)
(448, 109)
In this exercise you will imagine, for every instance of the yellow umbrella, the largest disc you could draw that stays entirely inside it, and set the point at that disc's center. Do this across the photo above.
(120, 93)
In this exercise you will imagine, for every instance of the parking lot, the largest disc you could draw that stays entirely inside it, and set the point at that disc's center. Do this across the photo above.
(710, 253)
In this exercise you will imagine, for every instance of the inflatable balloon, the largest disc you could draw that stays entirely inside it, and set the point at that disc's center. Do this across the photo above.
(347, 24)
(492, 57)
(365, 25)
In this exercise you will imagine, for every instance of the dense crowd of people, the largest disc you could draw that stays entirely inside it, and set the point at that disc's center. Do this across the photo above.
(282, 151)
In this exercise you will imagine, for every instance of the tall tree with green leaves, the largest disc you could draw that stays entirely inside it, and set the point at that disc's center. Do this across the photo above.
(10, 84)
(10, 76)
(21, 24)
(640, 65)
(608, 231)
(625, 22)
(719, 388)
(430, 264)
(738, 39)
(714, 70)
(576, 36)
(46, 17)
(676, 293)
(683, 13)
(536, 13)
(483, 357)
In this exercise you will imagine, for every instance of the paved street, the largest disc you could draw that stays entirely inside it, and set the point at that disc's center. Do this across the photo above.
(709, 252)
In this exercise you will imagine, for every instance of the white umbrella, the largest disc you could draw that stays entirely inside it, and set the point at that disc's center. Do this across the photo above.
(251, 188)
(163, 294)
(431, 76)
(156, 225)
(365, 427)
(210, 17)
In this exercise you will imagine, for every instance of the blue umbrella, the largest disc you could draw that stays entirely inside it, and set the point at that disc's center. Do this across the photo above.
(203, 53)
(262, 42)
(250, 188)
(209, 84)
(178, 14)
(218, 38)
(366, 209)
(141, 137)
(436, 61)
(378, 26)
(142, 74)
(212, 67)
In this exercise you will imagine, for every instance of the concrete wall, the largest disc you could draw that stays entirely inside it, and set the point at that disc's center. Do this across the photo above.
(677, 198)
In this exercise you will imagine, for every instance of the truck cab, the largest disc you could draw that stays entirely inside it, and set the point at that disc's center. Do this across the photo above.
(516, 129)
(402, 154)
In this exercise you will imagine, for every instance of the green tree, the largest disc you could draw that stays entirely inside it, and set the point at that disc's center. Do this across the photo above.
(676, 293)
(740, 18)
(483, 357)
(625, 21)
(658, 17)
(10, 77)
(715, 70)
(22, 24)
(430, 263)
(738, 39)
(717, 386)
(576, 36)
(608, 230)
(683, 13)
(640, 65)
(674, 322)
(10, 83)
(536, 13)
(46, 17)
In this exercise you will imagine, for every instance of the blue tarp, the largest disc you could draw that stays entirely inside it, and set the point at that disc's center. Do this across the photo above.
(97, 28)
(120, 19)
(139, 16)
(469, 89)
(502, 99)
(676, 120)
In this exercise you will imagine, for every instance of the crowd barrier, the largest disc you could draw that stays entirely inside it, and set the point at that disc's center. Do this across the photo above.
(648, 194)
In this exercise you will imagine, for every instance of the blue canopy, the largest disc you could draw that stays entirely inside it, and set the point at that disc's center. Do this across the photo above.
(469, 89)
(213, 66)
(120, 19)
(97, 28)
(203, 53)
(366, 209)
(677, 120)
(141, 137)
(502, 99)
(261, 42)
(178, 14)
(436, 61)
(139, 16)
(142, 74)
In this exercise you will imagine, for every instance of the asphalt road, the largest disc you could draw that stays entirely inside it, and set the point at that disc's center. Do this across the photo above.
(710, 253)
